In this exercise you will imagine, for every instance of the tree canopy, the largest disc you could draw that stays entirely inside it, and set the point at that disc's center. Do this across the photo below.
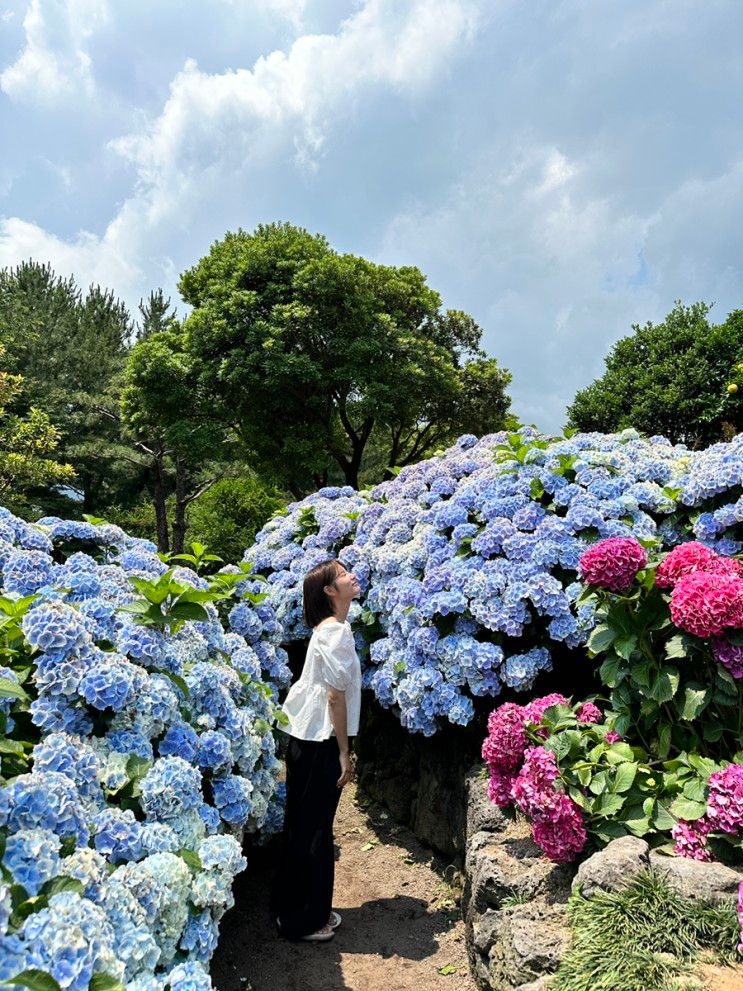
(316, 357)
(70, 349)
(27, 446)
(669, 378)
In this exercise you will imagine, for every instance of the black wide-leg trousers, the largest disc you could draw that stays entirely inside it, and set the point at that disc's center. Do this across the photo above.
(302, 896)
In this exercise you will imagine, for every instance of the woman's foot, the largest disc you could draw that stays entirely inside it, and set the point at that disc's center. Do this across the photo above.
(335, 920)
(321, 936)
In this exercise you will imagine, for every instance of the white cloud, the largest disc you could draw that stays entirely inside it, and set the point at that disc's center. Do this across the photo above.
(54, 65)
(89, 258)
(555, 278)
(227, 116)
(216, 126)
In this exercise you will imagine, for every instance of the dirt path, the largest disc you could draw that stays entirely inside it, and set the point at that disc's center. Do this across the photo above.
(401, 926)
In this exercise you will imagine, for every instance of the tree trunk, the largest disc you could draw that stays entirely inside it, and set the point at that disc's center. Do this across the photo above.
(181, 501)
(161, 512)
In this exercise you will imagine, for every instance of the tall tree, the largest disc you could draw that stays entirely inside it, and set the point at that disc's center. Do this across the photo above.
(70, 349)
(308, 354)
(669, 378)
(155, 314)
(183, 447)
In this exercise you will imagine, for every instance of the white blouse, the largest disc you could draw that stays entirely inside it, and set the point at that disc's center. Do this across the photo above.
(331, 662)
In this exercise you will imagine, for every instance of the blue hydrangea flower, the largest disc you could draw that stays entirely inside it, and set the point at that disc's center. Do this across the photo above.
(32, 857)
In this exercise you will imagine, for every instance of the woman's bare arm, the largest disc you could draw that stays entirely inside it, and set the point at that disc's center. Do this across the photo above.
(339, 719)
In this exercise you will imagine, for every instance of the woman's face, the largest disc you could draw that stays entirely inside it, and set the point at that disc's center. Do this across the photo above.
(346, 585)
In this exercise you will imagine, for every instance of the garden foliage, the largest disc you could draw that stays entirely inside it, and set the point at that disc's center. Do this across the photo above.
(468, 561)
(136, 702)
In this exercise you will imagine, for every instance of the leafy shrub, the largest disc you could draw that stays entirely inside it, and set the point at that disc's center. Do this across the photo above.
(468, 561)
(228, 515)
(671, 694)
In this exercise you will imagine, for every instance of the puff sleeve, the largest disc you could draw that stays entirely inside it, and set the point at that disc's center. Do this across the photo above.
(337, 655)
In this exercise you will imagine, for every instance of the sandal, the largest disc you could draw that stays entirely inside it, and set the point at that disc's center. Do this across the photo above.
(335, 920)
(321, 936)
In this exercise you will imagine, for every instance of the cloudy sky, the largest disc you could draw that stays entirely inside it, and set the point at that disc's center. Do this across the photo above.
(561, 169)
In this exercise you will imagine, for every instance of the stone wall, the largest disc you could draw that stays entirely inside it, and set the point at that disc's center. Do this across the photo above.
(421, 780)
(515, 901)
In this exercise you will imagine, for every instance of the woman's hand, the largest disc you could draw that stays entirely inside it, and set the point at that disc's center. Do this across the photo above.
(346, 769)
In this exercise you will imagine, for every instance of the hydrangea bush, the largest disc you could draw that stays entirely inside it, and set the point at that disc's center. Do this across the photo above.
(136, 703)
(468, 561)
(669, 633)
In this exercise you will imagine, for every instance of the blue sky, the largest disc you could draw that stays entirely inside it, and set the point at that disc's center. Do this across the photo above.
(560, 170)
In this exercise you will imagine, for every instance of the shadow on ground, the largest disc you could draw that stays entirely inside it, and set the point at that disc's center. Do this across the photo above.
(251, 957)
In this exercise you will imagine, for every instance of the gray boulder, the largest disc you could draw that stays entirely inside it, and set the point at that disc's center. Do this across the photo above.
(694, 879)
(482, 814)
(530, 941)
(612, 868)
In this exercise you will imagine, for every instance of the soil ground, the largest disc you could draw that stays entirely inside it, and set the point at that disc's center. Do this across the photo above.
(401, 924)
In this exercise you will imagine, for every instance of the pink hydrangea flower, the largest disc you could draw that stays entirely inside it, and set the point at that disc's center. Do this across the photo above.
(740, 915)
(691, 839)
(689, 558)
(506, 741)
(537, 707)
(533, 790)
(589, 713)
(499, 788)
(613, 737)
(706, 604)
(561, 834)
(730, 655)
(725, 800)
(613, 563)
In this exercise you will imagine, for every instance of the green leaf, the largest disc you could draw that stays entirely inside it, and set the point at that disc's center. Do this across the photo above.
(695, 790)
(625, 646)
(664, 740)
(676, 647)
(611, 830)
(663, 820)
(11, 747)
(37, 980)
(624, 777)
(599, 783)
(11, 690)
(104, 982)
(448, 968)
(683, 808)
(694, 700)
(191, 858)
(704, 765)
(601, 638)
(63, 883)
(612, 670)
(608, 804)
(188, 611)
(584, 776)
(664, 685)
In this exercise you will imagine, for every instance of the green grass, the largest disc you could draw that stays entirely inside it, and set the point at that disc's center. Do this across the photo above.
(643, 939)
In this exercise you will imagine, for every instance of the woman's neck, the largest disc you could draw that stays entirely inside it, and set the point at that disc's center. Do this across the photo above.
(341, 611)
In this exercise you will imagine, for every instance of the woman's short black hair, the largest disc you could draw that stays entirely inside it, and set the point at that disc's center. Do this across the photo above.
(315, 602)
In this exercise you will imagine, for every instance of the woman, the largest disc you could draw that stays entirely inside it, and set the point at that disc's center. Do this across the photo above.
(323, 712)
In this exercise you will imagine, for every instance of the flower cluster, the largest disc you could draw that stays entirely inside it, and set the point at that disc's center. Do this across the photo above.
(529, 777)
(151, 755)
(613, 563)
(468, 561)
(724, 814)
